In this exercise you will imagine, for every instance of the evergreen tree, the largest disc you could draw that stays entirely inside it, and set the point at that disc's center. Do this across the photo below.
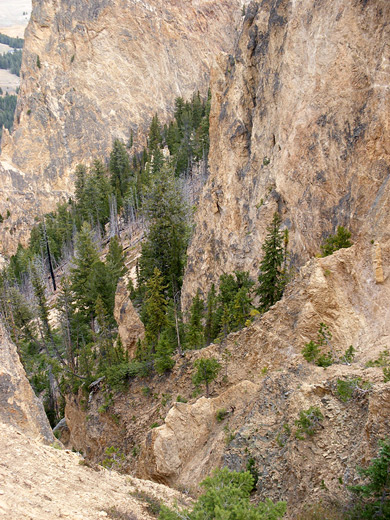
(120, 170)
(374, 494)
(163, 361)
(272, 277)
(166, 243)
(195, 331)
(154, 312)
(115, 260)
(338, 241)
(206, 371)
(86, 258)
(211, 326)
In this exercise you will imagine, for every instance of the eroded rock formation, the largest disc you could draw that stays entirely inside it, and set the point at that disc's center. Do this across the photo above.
(300, 124)
(130, 327)
(19, 407)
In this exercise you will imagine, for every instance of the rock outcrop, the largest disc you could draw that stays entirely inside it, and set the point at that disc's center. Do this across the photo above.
(19, 406)
(130, 327)
(41, 482)
(93, 73)
(299, 124)
(341, 291)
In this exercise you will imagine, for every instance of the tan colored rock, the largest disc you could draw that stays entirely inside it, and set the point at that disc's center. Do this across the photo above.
(19, 406)
(299, 123)
(41, 482)
(377, 263)
(130, 327)
(180, 450)
(105, 70)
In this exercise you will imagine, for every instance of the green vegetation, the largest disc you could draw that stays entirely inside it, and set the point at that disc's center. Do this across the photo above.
(114, 459)
(7, 110)
(338, 241)
(309, 421)
(315, 351)
(273, 275)
(226, 497)
(374, 495)
(15, 43)
(206, 371)
(347, 389)
(11, 61)
(221, 414)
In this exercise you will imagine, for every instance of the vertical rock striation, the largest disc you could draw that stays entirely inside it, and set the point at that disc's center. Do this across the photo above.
(299, 124)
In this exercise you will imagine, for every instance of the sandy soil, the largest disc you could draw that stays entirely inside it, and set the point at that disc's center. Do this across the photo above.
(14, 30)
(8, 82)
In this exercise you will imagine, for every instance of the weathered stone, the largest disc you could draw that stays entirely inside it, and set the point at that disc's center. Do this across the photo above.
(377, 263)
(305, 113)
(19, 406)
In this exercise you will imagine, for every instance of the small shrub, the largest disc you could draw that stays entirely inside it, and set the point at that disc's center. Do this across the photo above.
(348, 356)
(226, 496)
(347, 389)
(221, 414)
(266, 161)
(114, 459)
(116, 514)
(283, 436)
(309, 421)
(335, 242)
(314, 351)
(154, 425)
(165, 399)
(386, 374)
(38, 62)
(180, 399)
(153, 505)
(229, 435)
(374, 494)
(251, 467)
(382, 361)
(145, 391)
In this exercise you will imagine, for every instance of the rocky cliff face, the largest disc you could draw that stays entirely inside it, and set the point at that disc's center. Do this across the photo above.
(299, 123)
(270, 384)
(19, 407)
(95, 72)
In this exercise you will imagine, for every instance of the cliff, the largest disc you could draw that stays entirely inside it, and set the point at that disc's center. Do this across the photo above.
(19, 407)
(299, 123)
(93, 73)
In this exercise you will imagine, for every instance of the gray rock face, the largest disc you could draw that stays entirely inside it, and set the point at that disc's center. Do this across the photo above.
(19, 406)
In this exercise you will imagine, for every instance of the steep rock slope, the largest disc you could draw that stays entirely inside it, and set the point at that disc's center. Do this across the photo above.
(19, 407)
(270, 383)
(42, 483)
(299, 123)
(96, 71)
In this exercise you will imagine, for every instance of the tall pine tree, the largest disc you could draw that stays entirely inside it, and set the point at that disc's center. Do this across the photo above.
(273, 276)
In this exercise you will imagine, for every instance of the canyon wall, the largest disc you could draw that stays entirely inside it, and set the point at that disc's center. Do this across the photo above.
(93, 72)
(299, 124)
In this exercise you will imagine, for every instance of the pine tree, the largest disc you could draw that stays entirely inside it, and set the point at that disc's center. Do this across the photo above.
(86, 257)
(154, 312)
(120, 170)
(211, 325)
(166, 244)
(163, 361)
(115, 260)
(195, 330)
(272, 277)
(335, 242)
(206, 371)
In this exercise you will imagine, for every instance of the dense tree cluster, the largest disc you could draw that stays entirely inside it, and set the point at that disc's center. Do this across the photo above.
(85, 345)
(15, 43)
(7, 110)
(11, 61)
